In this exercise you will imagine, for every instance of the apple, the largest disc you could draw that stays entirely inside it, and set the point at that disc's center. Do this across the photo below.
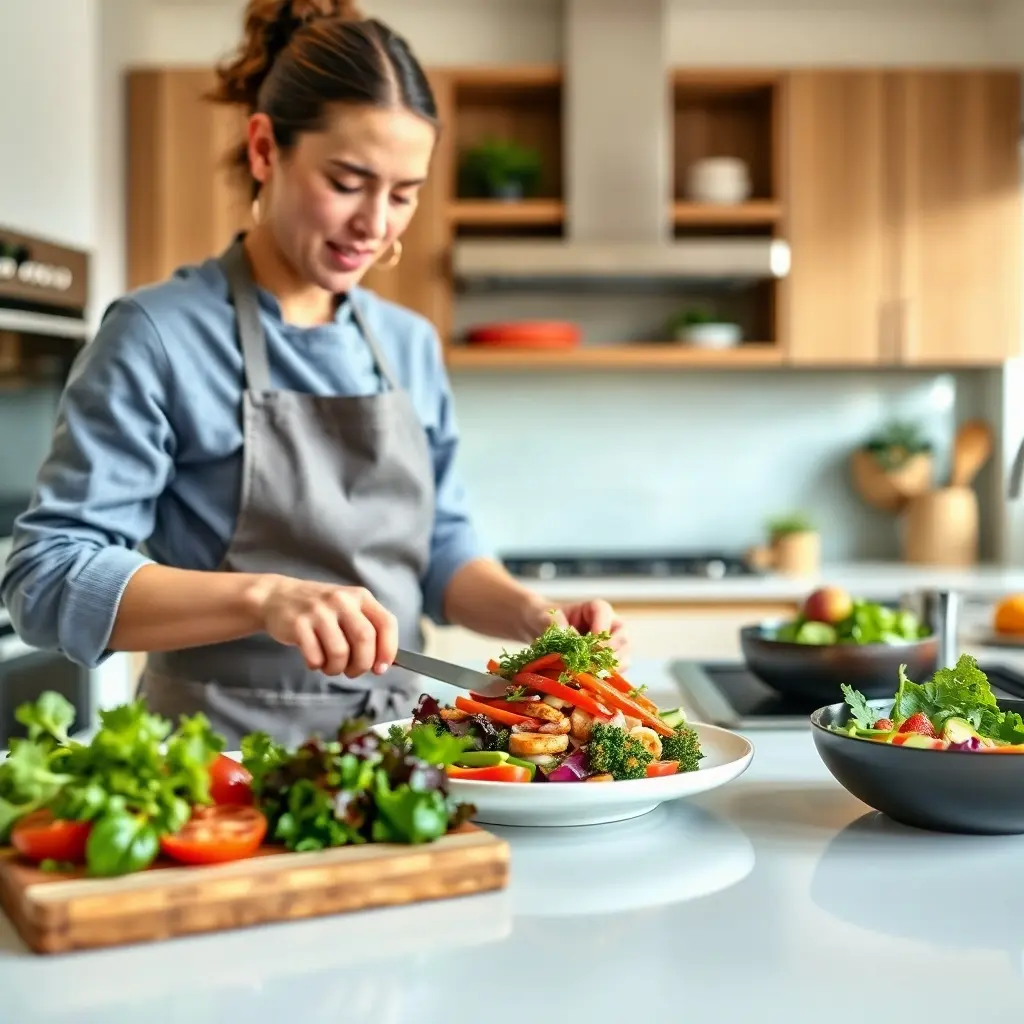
(828, 604)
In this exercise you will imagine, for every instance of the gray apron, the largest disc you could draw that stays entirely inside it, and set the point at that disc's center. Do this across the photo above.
(334, 489)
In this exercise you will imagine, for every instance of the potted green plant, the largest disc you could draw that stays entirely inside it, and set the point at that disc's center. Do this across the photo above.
(499, 169)
(794, 547)
(893, 465)
(703, 328)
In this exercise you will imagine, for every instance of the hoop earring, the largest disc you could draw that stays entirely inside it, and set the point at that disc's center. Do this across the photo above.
(396, 256)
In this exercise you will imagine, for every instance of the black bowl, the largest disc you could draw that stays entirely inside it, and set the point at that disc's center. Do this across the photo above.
(815, 672)
(939, 790)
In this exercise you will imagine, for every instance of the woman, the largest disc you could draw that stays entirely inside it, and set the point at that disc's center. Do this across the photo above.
(281, 440)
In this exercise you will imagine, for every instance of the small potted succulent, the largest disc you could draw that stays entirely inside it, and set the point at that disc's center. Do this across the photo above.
(893, 465)
(702, 328)
(499, 169)
(794, 547)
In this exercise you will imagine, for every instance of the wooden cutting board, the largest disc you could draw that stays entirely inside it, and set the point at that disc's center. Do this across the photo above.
(56, 913)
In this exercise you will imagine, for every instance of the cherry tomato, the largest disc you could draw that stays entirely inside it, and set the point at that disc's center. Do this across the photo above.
(230, 783)
(39, 836)
(658, 768)
(495, 773)
(216, 834)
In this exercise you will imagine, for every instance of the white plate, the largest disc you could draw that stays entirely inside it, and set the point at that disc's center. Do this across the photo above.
(727, 756)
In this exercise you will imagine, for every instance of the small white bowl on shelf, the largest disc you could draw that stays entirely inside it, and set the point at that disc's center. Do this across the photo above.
(710, 335)
(722, 180)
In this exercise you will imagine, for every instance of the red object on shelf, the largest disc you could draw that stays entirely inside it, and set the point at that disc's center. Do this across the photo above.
(527, 334)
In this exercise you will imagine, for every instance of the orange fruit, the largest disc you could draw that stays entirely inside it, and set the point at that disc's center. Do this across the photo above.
(1009, 615)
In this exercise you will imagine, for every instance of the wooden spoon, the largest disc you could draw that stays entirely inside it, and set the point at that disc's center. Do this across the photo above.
(971, 450)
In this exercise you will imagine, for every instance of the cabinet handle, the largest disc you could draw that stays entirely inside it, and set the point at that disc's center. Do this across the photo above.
(904, 332)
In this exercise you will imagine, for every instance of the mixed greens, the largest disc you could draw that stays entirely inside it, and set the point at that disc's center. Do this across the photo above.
(361, 787)
(954, 710)
(141, 788)
(567, 715)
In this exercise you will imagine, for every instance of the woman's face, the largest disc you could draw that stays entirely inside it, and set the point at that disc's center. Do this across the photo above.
(340, 197)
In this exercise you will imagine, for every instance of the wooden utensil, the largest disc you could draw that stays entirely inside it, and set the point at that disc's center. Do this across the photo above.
(971, 450)
(55, 913)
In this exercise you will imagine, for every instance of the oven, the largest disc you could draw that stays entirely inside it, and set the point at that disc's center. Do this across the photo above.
(26, 672)
(43, 326)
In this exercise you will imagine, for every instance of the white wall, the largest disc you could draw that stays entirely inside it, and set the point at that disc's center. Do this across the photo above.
(48, 116)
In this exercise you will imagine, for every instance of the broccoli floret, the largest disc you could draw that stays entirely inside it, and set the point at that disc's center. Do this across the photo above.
(614, 751)
(682, 746)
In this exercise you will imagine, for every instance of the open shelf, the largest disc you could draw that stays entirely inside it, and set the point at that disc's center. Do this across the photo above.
(634, 355)
(755, 213)
(495, 213)
(728, 114)
(522, 106)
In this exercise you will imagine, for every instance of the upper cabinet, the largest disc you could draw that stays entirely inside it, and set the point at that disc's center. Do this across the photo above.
(896, 192)
(904, 218)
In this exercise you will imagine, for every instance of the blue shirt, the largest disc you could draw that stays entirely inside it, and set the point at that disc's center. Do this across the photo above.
(148, 448)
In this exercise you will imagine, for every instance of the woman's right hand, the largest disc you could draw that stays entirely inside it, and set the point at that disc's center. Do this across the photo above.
(339, 630)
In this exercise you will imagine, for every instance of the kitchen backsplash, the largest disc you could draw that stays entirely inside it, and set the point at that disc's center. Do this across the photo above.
(583, 462)
(26, 429)
(690, 460)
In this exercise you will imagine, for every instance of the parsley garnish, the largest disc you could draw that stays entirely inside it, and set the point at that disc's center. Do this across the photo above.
(581, 652)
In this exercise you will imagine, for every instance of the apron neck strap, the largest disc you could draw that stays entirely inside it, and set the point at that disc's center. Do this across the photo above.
(251, 336)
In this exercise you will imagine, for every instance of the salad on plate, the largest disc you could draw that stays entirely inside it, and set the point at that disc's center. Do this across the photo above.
(567, 715)
(955, 710)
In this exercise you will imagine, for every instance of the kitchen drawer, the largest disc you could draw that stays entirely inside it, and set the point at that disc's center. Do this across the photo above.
(709, 631)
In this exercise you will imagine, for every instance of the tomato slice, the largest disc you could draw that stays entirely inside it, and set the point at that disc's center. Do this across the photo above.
(230, 783)
(39, 836)
(656, 769)
(492, 773)
(216, 834)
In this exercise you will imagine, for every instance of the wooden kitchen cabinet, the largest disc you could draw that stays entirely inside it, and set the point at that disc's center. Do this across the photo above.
(904, 218)
(184, 205)
(960, 238)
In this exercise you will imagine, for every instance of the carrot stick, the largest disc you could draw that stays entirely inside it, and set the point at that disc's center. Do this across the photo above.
(493, 667)
(577, 698)
(473, 707)
(624, 686)
(614, 699)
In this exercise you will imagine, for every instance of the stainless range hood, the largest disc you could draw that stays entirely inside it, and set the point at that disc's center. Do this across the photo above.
(617, 107)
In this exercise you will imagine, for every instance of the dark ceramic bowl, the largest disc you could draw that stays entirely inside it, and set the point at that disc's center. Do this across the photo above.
(939, 790)
(815, 672)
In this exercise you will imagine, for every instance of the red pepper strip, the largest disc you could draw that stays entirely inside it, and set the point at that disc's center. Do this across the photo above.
(577, 698)
(494, 668)
(495, 773)
(624, 686)
(474, 707)
(545, 661)
(614, 699)
(513, 707)
(656, 769)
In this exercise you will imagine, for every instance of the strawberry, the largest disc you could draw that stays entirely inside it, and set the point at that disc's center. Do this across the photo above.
(885, 724)
(918, 723)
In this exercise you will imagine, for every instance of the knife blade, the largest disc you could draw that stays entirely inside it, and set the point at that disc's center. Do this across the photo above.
(453, 675)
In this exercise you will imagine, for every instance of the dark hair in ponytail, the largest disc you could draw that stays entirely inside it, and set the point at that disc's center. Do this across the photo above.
(299, 56)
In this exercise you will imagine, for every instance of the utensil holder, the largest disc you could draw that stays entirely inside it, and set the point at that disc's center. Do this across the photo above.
(940, 527)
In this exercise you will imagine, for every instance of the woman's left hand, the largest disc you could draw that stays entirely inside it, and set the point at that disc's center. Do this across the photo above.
(595, 617)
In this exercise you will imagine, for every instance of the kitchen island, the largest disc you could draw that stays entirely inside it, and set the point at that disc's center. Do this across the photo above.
(777, 898)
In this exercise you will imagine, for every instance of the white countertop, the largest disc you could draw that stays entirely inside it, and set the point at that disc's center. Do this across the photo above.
(776, 898)
(877, 580)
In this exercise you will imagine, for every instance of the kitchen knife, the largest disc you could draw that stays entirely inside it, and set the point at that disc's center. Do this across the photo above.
(453, 675)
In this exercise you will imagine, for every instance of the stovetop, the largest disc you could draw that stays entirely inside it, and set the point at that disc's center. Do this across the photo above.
(713, 565)
(730, 695)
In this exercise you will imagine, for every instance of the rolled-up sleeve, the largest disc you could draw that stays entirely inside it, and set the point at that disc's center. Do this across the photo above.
(76, 547)
(455, 540)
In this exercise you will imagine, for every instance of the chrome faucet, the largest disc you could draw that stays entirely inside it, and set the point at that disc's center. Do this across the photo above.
(1016, 480)
(940, 611)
